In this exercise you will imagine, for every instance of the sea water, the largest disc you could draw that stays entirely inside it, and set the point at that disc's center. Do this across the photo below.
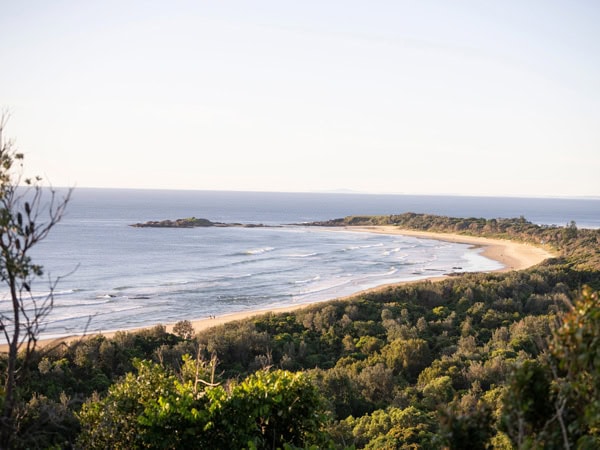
(114, 276)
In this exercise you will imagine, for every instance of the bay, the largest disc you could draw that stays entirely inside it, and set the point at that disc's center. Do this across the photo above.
(120, 277)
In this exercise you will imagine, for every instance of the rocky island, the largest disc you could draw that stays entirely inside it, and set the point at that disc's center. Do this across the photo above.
(192, 222)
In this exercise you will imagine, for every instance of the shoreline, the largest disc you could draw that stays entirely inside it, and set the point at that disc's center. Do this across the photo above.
(512, 255)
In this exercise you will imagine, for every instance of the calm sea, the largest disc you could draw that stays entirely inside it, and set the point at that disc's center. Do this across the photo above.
(119, 277)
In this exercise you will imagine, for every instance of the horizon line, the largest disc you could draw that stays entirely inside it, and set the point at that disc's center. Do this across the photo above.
(337, 192)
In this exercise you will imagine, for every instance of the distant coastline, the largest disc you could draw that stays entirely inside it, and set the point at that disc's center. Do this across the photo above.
(266, 207)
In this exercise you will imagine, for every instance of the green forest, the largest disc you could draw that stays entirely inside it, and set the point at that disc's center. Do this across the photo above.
(475, 361)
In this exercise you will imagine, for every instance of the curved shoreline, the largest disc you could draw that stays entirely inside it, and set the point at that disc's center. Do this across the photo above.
(512, 255)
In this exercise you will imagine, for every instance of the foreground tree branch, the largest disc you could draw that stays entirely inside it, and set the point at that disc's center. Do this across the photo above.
(27, 214)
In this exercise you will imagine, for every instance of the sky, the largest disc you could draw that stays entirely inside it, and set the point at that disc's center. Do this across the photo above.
(407, 97)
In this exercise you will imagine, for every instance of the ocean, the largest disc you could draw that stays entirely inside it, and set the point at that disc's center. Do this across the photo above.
(114, 276)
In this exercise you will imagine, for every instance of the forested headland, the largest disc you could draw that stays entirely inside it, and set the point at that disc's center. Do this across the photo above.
(496, 360)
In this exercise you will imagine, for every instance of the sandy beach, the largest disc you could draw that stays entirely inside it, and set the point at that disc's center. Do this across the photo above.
(512, 255)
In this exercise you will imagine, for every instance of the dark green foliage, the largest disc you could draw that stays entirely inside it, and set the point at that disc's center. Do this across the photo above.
(390, 428)
(155, 410)
(470, 429)
(269, 409)
(43, 423)
(553, 402)
(576, 349)
(342, 392)
(407, 357)
(528, 405)
(374, 351)
(424, 365)
(112, 422)
(93, 364)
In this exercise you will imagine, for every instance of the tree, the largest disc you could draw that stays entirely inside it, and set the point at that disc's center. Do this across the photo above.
(112, 422)
(184, 329)
(576, 348)
(154, 409)
(27, 214)
(555, 402)
(268, 409)
(528, 404)
(407, 356)
(466, 427)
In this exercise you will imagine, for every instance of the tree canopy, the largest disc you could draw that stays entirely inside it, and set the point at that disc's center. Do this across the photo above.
(499, 360)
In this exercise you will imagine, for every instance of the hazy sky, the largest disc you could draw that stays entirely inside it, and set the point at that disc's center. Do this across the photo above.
(427, 97)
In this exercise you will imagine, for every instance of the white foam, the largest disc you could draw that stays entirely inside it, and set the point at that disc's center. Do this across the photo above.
(259, 251)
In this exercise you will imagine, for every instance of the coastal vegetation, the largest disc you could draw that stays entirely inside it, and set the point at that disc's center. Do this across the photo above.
(191, 222)
(580, 246)
(497, 360)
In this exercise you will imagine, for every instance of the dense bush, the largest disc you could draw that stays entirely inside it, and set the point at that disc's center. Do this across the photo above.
(494, 360)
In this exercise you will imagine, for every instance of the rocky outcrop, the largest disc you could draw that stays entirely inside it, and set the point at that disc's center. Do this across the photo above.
(191, 222)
